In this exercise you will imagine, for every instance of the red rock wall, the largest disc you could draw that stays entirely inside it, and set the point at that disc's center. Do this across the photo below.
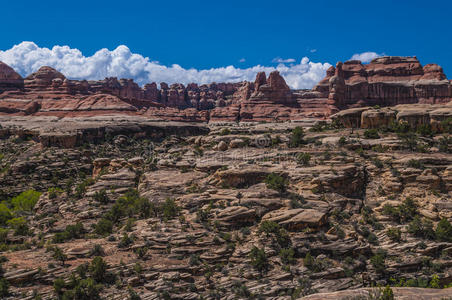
(386, 81)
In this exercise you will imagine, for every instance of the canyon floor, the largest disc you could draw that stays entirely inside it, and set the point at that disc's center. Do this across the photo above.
(307, 210)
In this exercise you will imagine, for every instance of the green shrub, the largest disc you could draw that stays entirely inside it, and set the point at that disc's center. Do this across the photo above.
(98, 269)
(54, 192)
(303, 158)
(59, 255)
(296, 138)
(132, 204)
(444, 231)
(378, 163)
(342, 141)
(259, 259)
(287, 256)
(394, 234)
(371, 134)
(378, 261)
(225, 131)
(58, 286)
(409, 140)
(126, 241)
(434, 282)
(170, 209)
(421, 228)
(80, 189)
(97, 250)
(3, 235)
(101, 197)
(71, 232)
(387, 294)
(445, 144)
(276, 182)
(5, 214)
(280, 235)
(309, 261)
(402, 213)
(425, 130)
(104, 227)
(26, 201)
(19, 225)
(446, 125)
(4, 287)
(413, 163)
(85, 289)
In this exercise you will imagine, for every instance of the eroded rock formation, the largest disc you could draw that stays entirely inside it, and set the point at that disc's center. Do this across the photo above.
(386, 81)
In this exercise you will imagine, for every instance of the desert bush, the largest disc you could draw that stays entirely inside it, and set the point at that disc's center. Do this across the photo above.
(19, 225)
(297, 137)
(274, 230)
(84, 289)
(394, 233)
(276, 182)
(170, 209)
(378, 163)
(444, 231)
(259, 259)
(425, 130)
(59, 255)
(54, 192)
(225, 131)
(26, 201)
(97, 250)
(378, 261)
(342, 141)
(5, 214)
(58, 287)
(101, 197)
(402, 213)
(422, 228)
(371, 134)
(104, 227)
(126, 241)
(80, 189)
(303, 158)
(98, 269)
(287, 256)
(4, 287)
(71, 232)
(413, 163)
(445, 144)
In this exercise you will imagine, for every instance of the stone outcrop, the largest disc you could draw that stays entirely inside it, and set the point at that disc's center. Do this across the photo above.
(414, 115)
(385, 81)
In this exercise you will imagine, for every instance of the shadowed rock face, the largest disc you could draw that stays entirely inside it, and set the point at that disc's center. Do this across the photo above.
(9, 79)
(386, 81)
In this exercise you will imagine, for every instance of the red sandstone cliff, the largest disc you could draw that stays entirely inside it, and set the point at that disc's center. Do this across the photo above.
(385, 81)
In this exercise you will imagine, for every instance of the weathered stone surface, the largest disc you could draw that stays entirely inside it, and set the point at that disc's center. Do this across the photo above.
(297, 219)
(403, 293)
(414, 115)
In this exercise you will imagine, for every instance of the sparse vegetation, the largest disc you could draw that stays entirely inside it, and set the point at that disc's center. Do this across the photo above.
(297, 137)
(276, 182)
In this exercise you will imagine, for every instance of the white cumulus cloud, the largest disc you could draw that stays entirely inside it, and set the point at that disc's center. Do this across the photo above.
(27, 57)
(283, 61)
(365, 57)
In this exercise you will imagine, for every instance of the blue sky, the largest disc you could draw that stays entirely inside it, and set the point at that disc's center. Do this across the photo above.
(212, 34)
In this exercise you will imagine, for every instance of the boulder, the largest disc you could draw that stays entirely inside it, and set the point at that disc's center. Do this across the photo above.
(297, 219)
(377, 118)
